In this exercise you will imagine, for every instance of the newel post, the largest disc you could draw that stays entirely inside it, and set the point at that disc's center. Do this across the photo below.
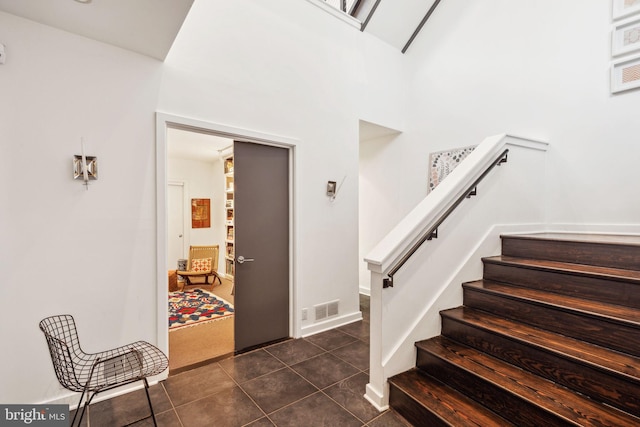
(377, 388)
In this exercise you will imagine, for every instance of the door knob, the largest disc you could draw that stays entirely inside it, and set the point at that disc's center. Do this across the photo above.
(242, 260)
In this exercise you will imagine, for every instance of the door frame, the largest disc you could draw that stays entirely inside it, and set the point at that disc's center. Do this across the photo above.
(165, 121)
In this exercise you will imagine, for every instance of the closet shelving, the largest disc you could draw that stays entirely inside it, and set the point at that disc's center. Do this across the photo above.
(229, 223)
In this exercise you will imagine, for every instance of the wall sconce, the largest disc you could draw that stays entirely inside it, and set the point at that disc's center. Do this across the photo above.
(331, 189)
(85, 167)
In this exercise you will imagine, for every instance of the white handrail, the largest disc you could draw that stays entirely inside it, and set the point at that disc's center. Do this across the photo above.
(408, 231)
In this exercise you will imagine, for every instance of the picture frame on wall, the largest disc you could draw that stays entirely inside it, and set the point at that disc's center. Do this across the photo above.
(625, 74)
(441, 163)
(626, 37)
(624, 8)
(200, 213)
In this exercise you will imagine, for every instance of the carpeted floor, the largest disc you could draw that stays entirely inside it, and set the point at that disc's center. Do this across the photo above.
(192, 346)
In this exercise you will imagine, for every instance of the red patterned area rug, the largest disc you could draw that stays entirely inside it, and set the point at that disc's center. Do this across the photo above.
(196, 307)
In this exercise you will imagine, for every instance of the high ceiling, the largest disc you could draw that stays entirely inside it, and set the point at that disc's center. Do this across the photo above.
(148, 27)
(396, 21)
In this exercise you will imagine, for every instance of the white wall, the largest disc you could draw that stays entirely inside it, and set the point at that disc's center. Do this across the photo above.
(538, 69)
(65, 249)
(531, 68)
(288, 76)
(272, 67)
(383, 202)
(203, 180)
(534, 68)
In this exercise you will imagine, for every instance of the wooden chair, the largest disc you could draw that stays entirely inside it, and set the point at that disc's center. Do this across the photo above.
(203, 262)
(93, 373)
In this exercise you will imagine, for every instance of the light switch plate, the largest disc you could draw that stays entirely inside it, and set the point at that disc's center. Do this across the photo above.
(2, 54)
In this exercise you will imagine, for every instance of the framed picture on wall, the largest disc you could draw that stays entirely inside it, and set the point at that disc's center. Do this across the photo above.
(626, 37)
(625, 75)
(441, 163)
(200, 213)
(624, 8)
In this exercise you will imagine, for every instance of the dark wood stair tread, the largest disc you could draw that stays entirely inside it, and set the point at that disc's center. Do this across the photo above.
(550, 336)
(583, 352)
(449, 405)
(627, 315)
(632, 276)
(621, 251)
(543, 393)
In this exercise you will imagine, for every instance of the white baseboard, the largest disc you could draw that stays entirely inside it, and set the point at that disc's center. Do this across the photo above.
(316, 328)
(594, 228)
(71, 399)
(378, 400)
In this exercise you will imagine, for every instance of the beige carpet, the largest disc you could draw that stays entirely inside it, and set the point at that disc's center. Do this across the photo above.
(196, 345)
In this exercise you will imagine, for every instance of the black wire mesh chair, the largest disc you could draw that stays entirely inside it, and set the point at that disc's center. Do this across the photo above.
(94, 373)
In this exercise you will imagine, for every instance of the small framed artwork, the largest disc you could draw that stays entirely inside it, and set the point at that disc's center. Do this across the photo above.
(625, 75)
(441, 163)
(200, 213)
(624, 8)
(626, 37)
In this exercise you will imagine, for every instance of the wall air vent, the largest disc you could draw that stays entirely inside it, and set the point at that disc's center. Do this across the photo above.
(325, 310)
(332, 308)
(321, 311)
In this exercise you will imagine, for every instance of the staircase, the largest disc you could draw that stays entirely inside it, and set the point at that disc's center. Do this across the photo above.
(549, 337)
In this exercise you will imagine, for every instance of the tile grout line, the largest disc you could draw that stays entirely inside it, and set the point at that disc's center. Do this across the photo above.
(320, 390)
(338, 403)
(289, 366)
(248, 396)
(290, 403)
(323, 351)
(173, 407)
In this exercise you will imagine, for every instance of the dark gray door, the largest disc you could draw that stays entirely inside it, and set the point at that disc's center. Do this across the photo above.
(261, 201)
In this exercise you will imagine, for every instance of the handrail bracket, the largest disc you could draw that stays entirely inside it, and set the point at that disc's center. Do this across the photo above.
(387, 282)
(473, 192)
(433, 234)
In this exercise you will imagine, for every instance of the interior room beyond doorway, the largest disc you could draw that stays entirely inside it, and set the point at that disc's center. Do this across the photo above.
(199, 195)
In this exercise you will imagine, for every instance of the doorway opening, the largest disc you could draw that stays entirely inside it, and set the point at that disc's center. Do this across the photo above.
(199, 190)
(375, 189)
(200, 174)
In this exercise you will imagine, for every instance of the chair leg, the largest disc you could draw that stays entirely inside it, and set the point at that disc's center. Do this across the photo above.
(89, 399)
(146, 389)
(84, 407)
(78, 409)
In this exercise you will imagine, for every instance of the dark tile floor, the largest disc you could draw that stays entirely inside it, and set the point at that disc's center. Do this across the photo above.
(315, 381)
